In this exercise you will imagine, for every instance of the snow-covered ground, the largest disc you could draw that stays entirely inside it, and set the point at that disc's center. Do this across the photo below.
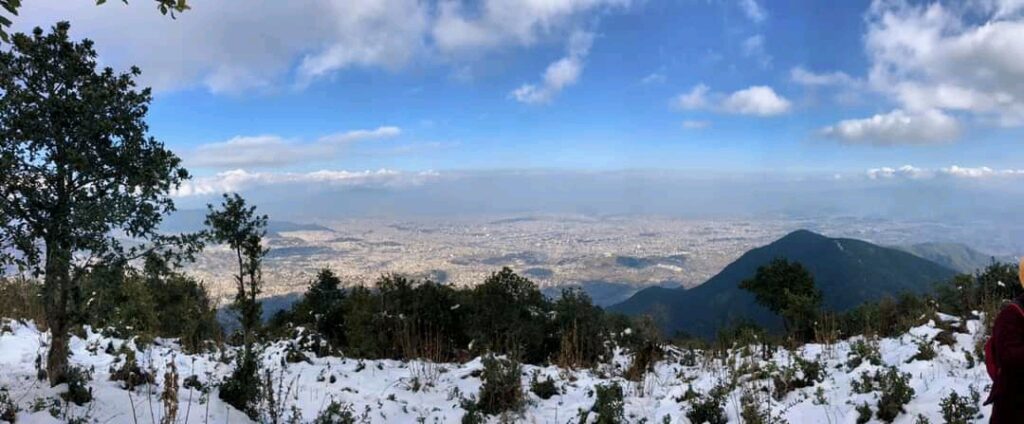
(385, 391)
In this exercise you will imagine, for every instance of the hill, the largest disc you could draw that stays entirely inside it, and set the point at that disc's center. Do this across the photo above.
(848, 272)
(191, 220)
(957, 256)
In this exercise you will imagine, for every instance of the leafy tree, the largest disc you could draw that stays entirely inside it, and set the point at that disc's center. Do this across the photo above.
(12, 6)
(76, 168)
(787, 289)
(321, 306)
(511, 315)
(238, 226)
(581, 329)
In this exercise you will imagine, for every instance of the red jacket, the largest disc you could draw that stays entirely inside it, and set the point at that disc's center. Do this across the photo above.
(1007, 393)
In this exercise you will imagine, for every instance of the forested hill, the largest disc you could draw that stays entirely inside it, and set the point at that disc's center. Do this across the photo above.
(849, 272)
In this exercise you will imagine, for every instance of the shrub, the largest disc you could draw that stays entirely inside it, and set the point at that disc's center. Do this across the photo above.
(78, 391)
(580, 329)
(336, 413)
(511, 315)
(802, 373)
(862, 350)
(896, 392)
(609, 404)
(751, 411)
(544, 389)
(957, 409)
(925, 352)
(502, 389)
(243, 387)
(130, 374)
(708, 409)
(8, 409)
(863, 413)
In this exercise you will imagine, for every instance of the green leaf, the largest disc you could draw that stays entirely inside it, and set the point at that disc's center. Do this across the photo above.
(4, 21)
(100, 2)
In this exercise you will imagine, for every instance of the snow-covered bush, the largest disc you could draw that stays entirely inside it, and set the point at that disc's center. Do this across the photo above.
(608, 404)
(896, 392)
(501, 390)
(957, 409)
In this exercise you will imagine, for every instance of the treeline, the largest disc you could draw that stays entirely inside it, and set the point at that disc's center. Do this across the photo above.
(401, 318)
(142, 302)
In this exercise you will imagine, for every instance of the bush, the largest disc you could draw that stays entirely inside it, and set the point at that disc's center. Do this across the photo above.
(544, 389)
(608, 405)
(78, 391)
(502, 389)
(580, 330)
(336, 413)
(802, 373)
(130, 374)
(708, 409)
(863, 413)
(896, 392)
(862, 350)
(925, 352)
(957, 409)
(8, 409)
(511, 315)
(242, 389)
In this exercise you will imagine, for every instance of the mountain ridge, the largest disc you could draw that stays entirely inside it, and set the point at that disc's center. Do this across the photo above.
(849, 272)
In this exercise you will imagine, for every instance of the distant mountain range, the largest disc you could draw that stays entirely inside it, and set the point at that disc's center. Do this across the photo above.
(191, 220)
(957, 256)
(849, 272)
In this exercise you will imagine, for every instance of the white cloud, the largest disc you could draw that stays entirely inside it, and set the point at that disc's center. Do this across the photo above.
(654, 78)
(696, 98)
(753, 11)
(896, 127)
(753, 47)
(558, 75)
(265, 44)
(756, 100)
(905, 171)
(952, 58)
(240, 180)
(954, 171)
(272, 150)
(696, 125)
(803, 76)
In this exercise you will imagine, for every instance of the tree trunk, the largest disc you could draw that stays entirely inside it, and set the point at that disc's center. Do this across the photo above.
(56, 288)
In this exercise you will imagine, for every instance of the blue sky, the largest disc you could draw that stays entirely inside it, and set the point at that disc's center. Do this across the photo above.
(388, 87)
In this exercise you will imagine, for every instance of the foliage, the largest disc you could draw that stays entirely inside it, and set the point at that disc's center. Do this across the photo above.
(863, 413)
(76, 169)
(8, 408)
(11, 7)
(78, 391)
(580, 329)
(501, 390)
(243, 388)
(787, 289)
(609, 404)
(20, 299)
(863, 350)
(708, 409)
(336, 413)
(544, 389)
(958, 409)
(896, 392)
(802, 373)
(510, 314)
(925, 351)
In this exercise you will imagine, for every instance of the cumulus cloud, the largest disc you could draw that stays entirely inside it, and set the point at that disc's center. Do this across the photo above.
(756, 100)
(954, 171)
(559, 74)
(228, 47)
(753, 11)
(240, 180)
(896, 127)
(272, 150)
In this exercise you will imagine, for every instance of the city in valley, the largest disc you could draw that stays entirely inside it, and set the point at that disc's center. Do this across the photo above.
(610, 257)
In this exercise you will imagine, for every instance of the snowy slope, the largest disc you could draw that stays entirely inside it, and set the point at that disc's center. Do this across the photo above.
(384, 391)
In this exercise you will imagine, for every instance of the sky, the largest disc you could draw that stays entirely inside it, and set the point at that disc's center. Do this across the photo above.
(391, 93)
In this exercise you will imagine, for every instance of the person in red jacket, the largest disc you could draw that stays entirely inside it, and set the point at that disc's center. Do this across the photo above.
(1007, 395)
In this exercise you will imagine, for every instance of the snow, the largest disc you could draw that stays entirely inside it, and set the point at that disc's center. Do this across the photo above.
(385, 391)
